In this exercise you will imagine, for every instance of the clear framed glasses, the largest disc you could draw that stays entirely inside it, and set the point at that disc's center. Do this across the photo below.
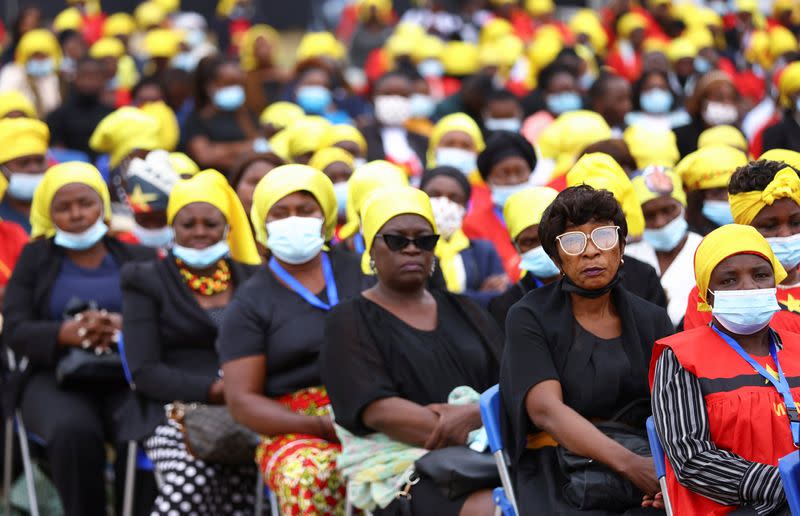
(573, 243)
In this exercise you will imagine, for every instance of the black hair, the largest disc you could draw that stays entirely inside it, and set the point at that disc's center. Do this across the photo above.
(390, 75)
(67, 34)
(144, 82)
(575, 206)
(755, 176)
(206, 71)
(501, 95)
(636, 89)
(83, 61)
(599, 88)
(549, 72)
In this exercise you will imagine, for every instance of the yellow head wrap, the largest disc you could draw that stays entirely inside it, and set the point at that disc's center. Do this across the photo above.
(11, 101)
(247, 49)
(601, 172)
(61, 175)
(449, 124)
(781, 41)
(123, 131)
(183, 165)
(22, 137)
(525, 208)
(569, 135)
(319, 44)
(460, 58)
(280, 144)
(722, 135)
(383, 9)
(587, 22)
(68, 19)
(790, 157)
(344, 133)
(757, 50)
(169, 6)
(700, 37)
(305, 135)
(789, 83)
(383, 205)
(710, 167)
(681, 48)
(38, 40)
(119, 24)
(149, 14)
(539, 7)
(494, 29)
(629, 23)
(225, 7)
(544, 48)
(164, 43)
(651, 146)
(655, 182)
(3, 186)
(288, 179)
(746, 205)
(724, 242)
(281, 114)
(430, 47)
(324, 157)
(168, 128)
(365, 180)
(107, 47)
(209, 186)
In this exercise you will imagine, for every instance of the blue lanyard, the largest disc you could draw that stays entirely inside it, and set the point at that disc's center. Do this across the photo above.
(499, 213)
(781, 384)
(537, 281)
(358, 243)
(302, 291)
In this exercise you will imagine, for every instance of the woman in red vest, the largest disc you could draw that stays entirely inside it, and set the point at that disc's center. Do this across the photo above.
(717, 390)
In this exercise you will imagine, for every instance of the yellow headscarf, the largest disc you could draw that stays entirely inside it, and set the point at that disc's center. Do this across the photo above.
(56, 177)
(383, 205)
(789, 83)
(539, 7)
(247, 51)
(123, 131)
(450, 123)
(383, 9)
(629, 23)
(183, 165)
(494, 29)
(169, 6)
(722, 135)
(168, 128)
(430, 47)
(710, 167)
(569, 135)
(781, 41)
(164, 43)
(745, 206)
(3, 186)
(344, 133)
(305, 135)
(38, 40)
(681, 48)
(13, 100)
(288, 179)
(366, 179)
(119, 24)
(789, 157)
(149, 14)
(525, 209)
(655, 182)
(319, 44)
(211, 187)
(281, 114)
(107, 47)
(587, 22)
(724, 242)
(544, 48)
(460, 58)
(68, 19)
(651, 146)
(601, 172)
(324, 157)
(22, 137)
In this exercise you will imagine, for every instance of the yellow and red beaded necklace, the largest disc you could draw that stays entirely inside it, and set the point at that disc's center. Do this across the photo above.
(216, 283)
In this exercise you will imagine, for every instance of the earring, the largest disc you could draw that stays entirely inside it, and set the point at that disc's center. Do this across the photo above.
(622, 261)
(372, 266)
(433, 268)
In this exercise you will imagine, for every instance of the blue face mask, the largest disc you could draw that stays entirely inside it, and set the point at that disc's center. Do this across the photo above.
(744, 312)
(501, 193)
(340, 189)
(511, 125)
(39, 67)
(184, 61)
(422, 106)
(295, 240)
(657, 100)
(229, 98)
(702, 65)
(538, 263)
(465, 161)
(563, 102)
(787, 250)
(718, 212)
(667, 238)
(84, 240)
(155, 238)
(314, 99)
(202, 258)
(430, 68)
(797, 104)
(22, 186)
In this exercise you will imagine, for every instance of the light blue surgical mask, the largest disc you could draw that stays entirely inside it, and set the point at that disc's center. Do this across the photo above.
(718, 212)
(195, 37)
(657, 100)
(668, 237)
(39, 67)
(314, 99)
(797, 104)
(184, 61)
(422, 106)
(787, 250)
(295, 240)
(464, 160)
(84, 240)
(511, 125)
(563, 102)
(159, 238)
(340, 189)
(202, 258)
(744, 312)
(21, 186)
(430, 68)
(702, 65)
(229, 98)
(537, 262)
(501, 193)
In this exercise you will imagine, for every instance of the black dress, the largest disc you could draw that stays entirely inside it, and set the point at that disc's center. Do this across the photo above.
(598, 378)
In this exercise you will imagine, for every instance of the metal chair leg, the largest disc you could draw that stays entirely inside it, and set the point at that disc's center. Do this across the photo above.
(27, 465)
(8, 457)
(273, 504)
(259, 508)
(130, 480)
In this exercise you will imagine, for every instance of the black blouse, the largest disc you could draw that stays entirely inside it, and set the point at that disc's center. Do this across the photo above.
(371, 354)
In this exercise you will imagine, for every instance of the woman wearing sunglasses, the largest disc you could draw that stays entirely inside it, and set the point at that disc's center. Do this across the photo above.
(577, 352)
(394, 356)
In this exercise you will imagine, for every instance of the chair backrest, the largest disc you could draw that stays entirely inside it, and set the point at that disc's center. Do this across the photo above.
(490, 415)
(655, 448)
(125, 369)
(789, 467)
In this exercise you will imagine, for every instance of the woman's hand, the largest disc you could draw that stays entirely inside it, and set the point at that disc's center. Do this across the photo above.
(216, 393)
(497, 283)
(656, 502)
(454, 425)
(327, 430)
(641, 471)
(90, 329)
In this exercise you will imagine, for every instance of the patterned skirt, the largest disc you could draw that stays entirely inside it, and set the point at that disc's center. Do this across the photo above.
(301, 469)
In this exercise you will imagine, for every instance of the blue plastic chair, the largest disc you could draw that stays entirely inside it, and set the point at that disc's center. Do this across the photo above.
(490, 415)
(789, 468)
(659, 461)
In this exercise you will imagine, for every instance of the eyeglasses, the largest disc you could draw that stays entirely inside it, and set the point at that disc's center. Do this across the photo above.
(605, 238)
(397, 243)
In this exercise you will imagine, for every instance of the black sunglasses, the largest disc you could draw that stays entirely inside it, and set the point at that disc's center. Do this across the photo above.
(397, 243)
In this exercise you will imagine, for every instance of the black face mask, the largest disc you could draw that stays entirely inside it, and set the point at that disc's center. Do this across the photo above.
(568, 286)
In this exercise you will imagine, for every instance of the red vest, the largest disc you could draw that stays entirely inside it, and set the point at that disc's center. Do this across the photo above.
(746, 414)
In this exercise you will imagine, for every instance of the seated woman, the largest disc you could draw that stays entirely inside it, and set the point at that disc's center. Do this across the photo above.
(270, 339)
(172, 311)
(719, 416)
(393, 355)
(338, 165)
(64, 295)
(578, 350)
(470, 266)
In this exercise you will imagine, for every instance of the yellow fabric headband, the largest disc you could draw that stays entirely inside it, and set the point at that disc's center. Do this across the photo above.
(745, 206)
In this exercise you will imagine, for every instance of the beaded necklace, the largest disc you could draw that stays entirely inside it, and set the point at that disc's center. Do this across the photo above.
(216, 283)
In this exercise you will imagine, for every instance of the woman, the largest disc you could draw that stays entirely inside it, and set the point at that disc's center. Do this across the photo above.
(271, 337)
(258, 54)
(719, 417)
(578, 350)
(456, 141)
(654, 103)
(249, 172)
(34, 70)
(172, 311)
(349, 138)
(64, 296)
(221, 128)
(713, 102)
(766, 195)
(313, 91)
(668, 245)
(470, 267)
(784, 133)
(337, 164)
(557, 93)
(393, 355)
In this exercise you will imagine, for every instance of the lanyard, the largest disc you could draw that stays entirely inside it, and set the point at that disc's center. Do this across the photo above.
(781, 384)
(358, 243)
(499, 214)
(302, 291)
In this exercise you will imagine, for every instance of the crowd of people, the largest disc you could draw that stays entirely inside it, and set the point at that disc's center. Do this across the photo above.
(331, 258)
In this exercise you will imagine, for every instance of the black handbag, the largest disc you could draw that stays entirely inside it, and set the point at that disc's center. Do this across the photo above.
(211, 434)
(458, 470)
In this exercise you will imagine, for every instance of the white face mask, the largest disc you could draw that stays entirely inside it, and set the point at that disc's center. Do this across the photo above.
(719, 113)
(448, 216)
(295, 240)
(392, 110)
